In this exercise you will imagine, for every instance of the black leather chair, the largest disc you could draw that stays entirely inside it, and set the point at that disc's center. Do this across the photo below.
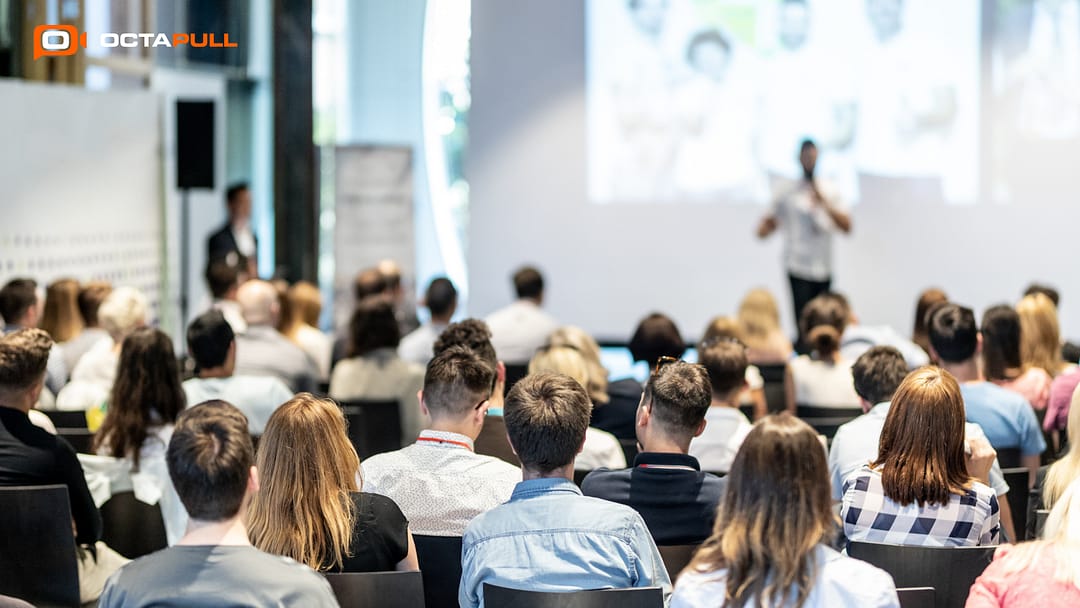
(644, 597)
(676, 557)
(440, 567)
(131, 527)
(916, 597)
(37, 547)
(383, 589)
(374, 426)
(1017, 478)
(492, 441)
(949, 570)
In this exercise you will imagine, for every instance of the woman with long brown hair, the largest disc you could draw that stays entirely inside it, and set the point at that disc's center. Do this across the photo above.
(770, 543)
(1002, 363)
(309, 506)
(61, 317)
(924, 489)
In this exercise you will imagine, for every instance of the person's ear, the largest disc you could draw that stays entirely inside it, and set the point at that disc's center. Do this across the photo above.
(500, 373)
(253, 480)
(934, 357)
(701, 428)
(978, 343)
(644, 414)
(511, 444)
(866, 405)
(423, 406)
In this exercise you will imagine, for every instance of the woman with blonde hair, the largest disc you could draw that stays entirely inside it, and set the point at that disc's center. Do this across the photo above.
(727, 328)
(1040, 573)
(301, 326)
(61, 317)
(770, 543)
(309, 505)
(759, 322)
(1040, 334)
(614, 403)
(823, 377)
(602, 449)
(1067, 469)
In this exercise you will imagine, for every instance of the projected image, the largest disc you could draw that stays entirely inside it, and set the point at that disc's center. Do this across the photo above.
(703, 100)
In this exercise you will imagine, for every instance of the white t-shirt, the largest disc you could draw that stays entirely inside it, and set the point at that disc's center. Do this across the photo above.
(256, 396)
(823, 383)
(602, 450)
(808, 229)
(715, 448)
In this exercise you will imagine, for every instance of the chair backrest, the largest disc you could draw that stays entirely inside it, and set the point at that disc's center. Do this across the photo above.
(64, 419)
(1017, 478)
(440, 567)
(374, 426)
(949, 570)
(37, 546)
(813, 411)
(748, 411)
(1008, 458)
(642, 597)
(676, 557)
(629, 449)
(916, 597)
(72, 427)
(131, 527)
(775, 398)
(515, 372)
(1041, 516)
(492, 441)
(580, 475)
(384, 589)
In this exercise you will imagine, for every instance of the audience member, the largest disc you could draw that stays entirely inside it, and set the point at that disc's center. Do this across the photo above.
(522, 327)
(262, 350)
(29, 456)
(368, 283)
(859, 338)
(1057, 408)
(725, 426)
(666, 486)
(614, 403)
(235, 242)
(601, 449)
(877, 374)
(91, 295)
(374, 371)
(919, 492)
(404, 308)
(475, 335)
(145, 401)
(1006, 417)
(771, 542)
(1069, 351)
(322, 520)
(549, 537)
(1066, 469)
(759, 322)
(753, 394)
(212, 464)
(61, 316)
(223, 279)
(656, 337)
(928, 299)
(21, 308)
(1002, 363)
(1040, 573)
(212, 345)
(823, 377)
(302, 326)
(441, 301)
(439, 482)
(1040, 335)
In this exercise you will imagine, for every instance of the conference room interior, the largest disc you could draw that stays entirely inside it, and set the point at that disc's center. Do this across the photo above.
(726, 225)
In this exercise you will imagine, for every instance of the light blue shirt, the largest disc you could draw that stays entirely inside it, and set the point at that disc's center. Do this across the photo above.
(256, 396)
(549, 537)
(1005, 416)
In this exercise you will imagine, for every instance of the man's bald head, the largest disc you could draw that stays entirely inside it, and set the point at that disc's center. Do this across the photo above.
(258, 302)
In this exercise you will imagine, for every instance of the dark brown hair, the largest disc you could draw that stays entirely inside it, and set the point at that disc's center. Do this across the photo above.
(927, 300)
(456, 380)
(471, 333)
(725, 361)
(91, 296)
(528, 283)
(24, 355)
(953, 332)
(823, 321)
(679, 394)
(656, 336)
(1001, 342)
(210, 456)
(373, 326)
(16, 297)
(546, 416)
(878, 372)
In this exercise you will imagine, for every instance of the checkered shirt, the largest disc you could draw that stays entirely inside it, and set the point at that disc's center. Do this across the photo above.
(968, 520)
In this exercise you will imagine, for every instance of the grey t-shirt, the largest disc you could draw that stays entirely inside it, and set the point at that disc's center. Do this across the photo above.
(211, 575)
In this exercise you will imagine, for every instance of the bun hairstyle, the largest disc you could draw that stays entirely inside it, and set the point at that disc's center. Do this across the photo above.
(823, 322)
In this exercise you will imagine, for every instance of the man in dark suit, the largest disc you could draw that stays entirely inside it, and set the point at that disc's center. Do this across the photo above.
(235, 242)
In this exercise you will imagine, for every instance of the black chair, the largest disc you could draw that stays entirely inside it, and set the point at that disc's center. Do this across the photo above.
(773, 375)
(374, 426)
(644, 597)
(826, 420)
(916, 597)
(1008, 458)
(630, 450)
(1017, 478)
(676, 557)
(384, 589)
(949, 570)
(492, 441)
(72, 427)
(37, 547)
(580, 475)
(131, 527)
(515, 372)
(440, 567)
(748, 411)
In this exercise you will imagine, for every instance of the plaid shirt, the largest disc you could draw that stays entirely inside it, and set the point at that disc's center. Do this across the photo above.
(968, 520)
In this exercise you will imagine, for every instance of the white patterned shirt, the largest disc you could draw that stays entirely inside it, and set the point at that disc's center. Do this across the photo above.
(439, 483)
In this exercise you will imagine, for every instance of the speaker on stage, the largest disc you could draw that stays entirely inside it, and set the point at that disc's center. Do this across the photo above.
(194, 144)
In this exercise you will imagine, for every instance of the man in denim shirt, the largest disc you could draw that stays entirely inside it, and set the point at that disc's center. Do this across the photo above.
(549, 537)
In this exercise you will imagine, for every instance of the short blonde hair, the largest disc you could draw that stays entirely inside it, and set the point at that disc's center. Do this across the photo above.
(1040, 334)
(563, 360)
(122, 312)
(758, 316)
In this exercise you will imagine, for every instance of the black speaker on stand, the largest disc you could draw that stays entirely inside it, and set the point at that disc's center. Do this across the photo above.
(194, 169)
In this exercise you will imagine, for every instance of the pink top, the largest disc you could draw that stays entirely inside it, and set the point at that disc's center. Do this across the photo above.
(1034, 385)
(1032, 586)
(1061, 392)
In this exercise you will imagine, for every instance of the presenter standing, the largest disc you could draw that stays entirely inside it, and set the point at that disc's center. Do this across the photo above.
(809, 213)
(235, 242)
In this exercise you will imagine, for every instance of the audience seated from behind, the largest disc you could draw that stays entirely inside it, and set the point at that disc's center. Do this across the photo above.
(441, 301)
(322, 520)
(368, 283)
(212, 464)
(21, 308)
(30, 456)
(261, 350)
(919, 492)
(302, 325)
(1006, 417)
(439, 482)
(771, 542)
(212, 346)
(878, 373)
(223, 278)
(859, 338)
(666, 485)
(549, 537)
(523, 326)
(374, 371)
(928, 299)
(1066, 469)
(753, 393)
(1040, 335)
(613, 402)
(759, 324)
(475, 335)
(1057, 410)
(1039, 573)
(61, 318)
(725, 426)
(145, 401)
(1002, 363)
(1069, 350)
(124, 310)
(404, 307)
(91, 295)
(601, 449)
(823, 377)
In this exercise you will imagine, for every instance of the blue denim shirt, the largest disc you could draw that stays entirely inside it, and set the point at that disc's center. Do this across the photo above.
(549, 537)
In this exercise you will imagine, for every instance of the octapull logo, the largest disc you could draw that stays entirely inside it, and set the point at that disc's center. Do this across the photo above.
(64, 40)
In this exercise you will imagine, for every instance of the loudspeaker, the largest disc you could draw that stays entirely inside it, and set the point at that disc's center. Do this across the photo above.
(194, 144)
